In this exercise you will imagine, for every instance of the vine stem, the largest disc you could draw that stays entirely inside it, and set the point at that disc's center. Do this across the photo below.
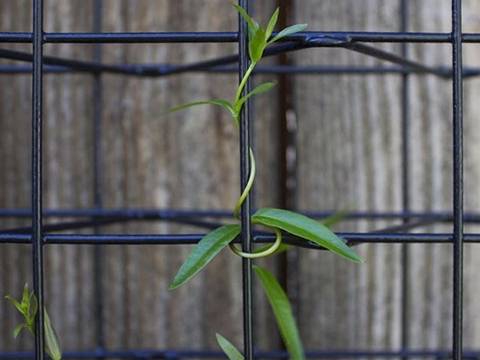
(236, 212)
(251, 178)
(244, 81)
(248, 187)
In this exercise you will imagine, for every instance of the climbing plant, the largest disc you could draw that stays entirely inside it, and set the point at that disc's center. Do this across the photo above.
(277, 220)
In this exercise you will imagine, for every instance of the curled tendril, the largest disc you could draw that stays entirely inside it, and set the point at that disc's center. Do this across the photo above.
(236, 213)
(266, 252)
(248, 187)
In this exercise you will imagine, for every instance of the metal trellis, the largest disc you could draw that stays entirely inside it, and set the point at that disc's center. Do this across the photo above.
(40, 234)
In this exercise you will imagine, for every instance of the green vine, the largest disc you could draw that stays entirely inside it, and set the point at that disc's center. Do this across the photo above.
(277, 220)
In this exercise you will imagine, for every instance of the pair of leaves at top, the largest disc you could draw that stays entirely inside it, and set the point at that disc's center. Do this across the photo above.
(296, 224)
(283, 315)
(259, 39)
(28, 308)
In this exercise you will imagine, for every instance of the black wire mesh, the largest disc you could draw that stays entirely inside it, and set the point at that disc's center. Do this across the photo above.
(40, 234)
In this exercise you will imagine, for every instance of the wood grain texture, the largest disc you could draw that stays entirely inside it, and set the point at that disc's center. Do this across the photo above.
(186, 160)
(348, 158)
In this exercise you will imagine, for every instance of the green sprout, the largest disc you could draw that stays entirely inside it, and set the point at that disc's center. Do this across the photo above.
(28, 308)
(277, 220)
(259, 39)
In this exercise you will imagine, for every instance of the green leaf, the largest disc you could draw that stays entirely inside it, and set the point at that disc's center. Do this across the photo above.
(33, 306)
(260, 89)
(306, 228)
(256, 45)
(283, 313)
(51, 342)
(26, 295)
(219, 102)
(18, 329)
(15, 303)
(27, 307)
(210, 245)
(271, 24)
(288, 31)
(252, 24)
(229, 349)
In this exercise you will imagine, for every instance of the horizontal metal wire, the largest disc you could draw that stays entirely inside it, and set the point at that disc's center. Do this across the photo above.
(85, 224)
(188, 239)
(214, 354)
(219, 37)
(84, 66)
(192, 221)
(155, 71)
(152, 69)
(135, 213)
(165, 214)
(261, 69)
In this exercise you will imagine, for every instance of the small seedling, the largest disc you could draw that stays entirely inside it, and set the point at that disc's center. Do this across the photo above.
(28, 308)
(277, 220)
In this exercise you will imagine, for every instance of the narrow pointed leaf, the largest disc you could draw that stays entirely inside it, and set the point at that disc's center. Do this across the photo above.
(271, 24)
(288, 31)
(219, 102)
(210, 245)
(51, 342)
(18, 329)
(229, 349)
(32, 311)
(252, 24)
(26, 294)
(305, 228)
(283, 313)
(257, 45)
(15, 303)
(260, 89)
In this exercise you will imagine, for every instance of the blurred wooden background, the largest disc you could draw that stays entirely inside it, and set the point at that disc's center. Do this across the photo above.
(347, 156)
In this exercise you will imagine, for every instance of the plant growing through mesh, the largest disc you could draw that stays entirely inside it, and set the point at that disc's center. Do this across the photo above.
(28, 308)
(277, 220)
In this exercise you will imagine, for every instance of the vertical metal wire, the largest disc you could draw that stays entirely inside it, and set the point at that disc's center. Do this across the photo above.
(37, 108)
(244, 174)
(97, 177)
(405, 99)
(457, 178)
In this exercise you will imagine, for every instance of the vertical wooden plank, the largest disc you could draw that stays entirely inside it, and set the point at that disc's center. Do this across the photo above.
(15, 128)
(349, 159)
(357, 167)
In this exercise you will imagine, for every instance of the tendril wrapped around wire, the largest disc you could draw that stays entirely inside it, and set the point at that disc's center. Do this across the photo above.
(277, 220)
